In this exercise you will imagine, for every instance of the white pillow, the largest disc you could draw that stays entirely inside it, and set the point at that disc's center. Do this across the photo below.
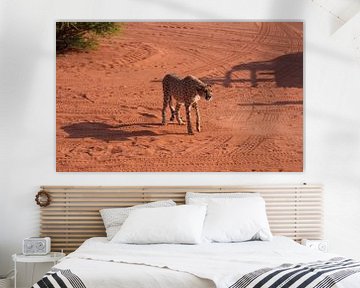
(236, 220)
(180, 224)
(113, 218)
(204, 198)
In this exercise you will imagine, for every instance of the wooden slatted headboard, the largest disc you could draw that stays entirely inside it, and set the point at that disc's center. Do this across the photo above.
(73, 215)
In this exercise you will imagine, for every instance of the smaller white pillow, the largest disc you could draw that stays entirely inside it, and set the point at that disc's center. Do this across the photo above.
(236, 220)
(172, 225)
(113, 218)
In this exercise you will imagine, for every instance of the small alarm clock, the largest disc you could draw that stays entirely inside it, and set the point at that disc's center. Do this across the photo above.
(320, 245)
(36, 246)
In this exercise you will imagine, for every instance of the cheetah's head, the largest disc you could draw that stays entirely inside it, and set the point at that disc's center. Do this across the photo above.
(206, 92)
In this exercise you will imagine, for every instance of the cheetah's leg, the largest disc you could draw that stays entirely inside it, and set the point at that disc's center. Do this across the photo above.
(196, 107)
(188, 118)
(172, 110)
(177, 114)
(165, 104)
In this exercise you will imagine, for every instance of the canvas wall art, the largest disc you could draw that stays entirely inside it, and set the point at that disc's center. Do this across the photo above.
(179, 97)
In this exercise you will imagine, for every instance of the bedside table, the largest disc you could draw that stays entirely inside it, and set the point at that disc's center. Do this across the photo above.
(53, 257)
(320, 245)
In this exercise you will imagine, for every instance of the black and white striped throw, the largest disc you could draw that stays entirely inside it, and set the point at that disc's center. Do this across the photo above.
(59, 278)
(320, 274)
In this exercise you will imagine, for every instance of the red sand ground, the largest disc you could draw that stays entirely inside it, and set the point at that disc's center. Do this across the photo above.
(109, 100)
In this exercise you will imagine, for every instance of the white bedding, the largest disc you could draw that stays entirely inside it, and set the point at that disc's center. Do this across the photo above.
(100, 263)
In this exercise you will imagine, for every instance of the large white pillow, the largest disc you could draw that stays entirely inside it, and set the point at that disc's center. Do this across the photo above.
(113, 218)
(204, 198)
(236, 220)
(181, 224)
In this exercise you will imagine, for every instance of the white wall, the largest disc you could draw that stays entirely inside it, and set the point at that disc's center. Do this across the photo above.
(27, 115)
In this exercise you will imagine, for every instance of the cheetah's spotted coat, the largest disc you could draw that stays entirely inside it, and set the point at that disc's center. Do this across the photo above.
(187, 91)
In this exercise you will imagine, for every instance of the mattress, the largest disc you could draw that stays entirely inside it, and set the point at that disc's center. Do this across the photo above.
(99, 263)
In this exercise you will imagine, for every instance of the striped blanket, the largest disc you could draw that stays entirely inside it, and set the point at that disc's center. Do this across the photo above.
(59, 278)
(320, 274)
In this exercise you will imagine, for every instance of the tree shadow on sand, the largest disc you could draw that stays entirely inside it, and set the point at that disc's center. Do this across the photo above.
(285, 71)
(108, 132)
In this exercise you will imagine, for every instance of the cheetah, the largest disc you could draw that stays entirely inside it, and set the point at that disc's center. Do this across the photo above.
(187, 91)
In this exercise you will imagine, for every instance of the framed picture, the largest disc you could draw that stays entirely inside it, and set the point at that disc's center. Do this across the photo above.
(179, 96)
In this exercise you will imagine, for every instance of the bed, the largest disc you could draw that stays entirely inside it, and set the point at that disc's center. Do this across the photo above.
(282, 262)
(99, 263)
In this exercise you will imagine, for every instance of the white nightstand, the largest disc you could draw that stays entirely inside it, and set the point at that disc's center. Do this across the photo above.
(320, 245)
(53, 257)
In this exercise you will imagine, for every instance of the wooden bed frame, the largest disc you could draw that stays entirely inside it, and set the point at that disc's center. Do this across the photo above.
(73, 214)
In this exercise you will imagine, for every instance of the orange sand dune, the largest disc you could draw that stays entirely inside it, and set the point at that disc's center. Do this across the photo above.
(109, 100)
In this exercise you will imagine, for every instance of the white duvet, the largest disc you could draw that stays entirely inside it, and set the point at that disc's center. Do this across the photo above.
(100, 263)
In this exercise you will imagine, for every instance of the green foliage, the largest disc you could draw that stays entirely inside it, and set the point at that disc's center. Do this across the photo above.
(82, 35)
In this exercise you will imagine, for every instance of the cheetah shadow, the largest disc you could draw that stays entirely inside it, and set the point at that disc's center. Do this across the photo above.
(107, 132)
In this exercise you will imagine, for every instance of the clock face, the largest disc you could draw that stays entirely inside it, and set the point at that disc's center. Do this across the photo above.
(40, 245)
(323, 247)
